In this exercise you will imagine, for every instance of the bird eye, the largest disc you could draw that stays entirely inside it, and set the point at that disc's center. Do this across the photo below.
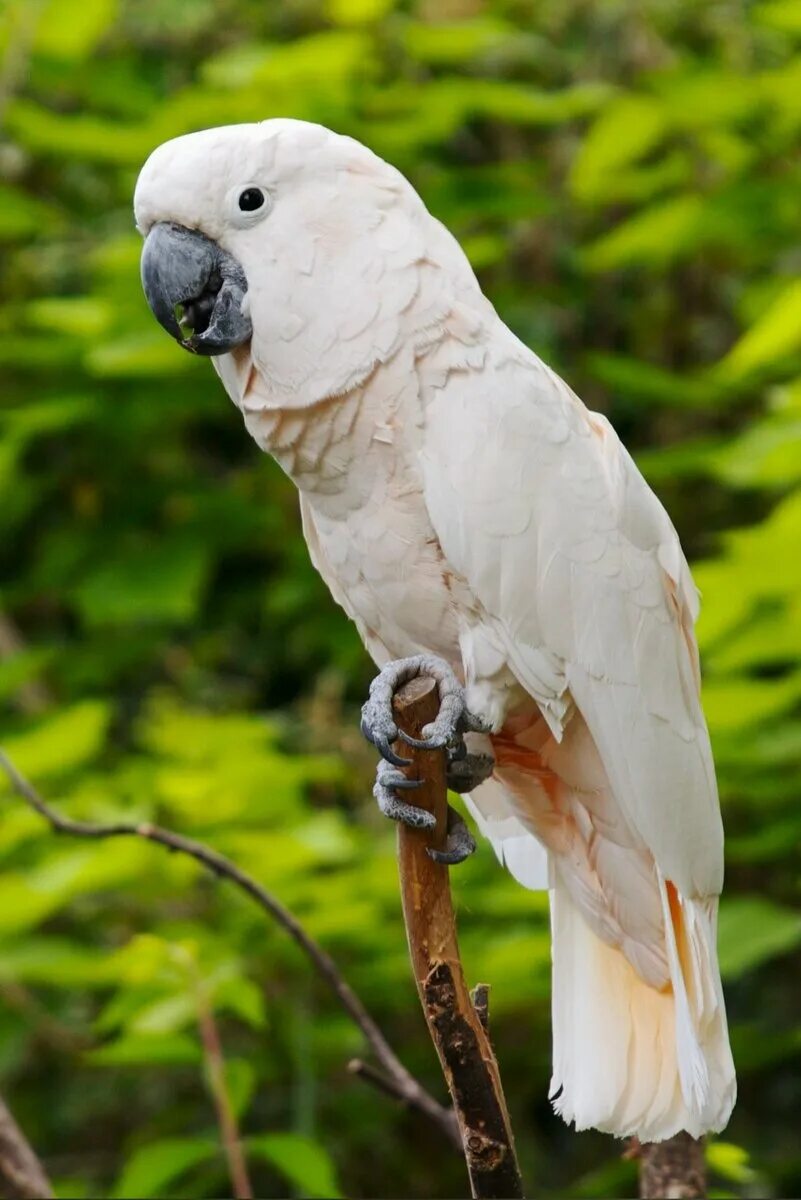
(251, 199)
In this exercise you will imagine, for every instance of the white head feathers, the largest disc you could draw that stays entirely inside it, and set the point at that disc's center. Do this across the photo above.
(343, 261)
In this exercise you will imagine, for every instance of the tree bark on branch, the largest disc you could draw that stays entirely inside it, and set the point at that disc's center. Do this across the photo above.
(674, 1168)
(456, 1027)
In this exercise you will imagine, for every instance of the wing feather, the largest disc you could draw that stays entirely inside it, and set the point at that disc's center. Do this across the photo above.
(538, 505)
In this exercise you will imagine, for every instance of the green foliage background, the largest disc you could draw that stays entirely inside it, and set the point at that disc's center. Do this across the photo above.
(626, 177)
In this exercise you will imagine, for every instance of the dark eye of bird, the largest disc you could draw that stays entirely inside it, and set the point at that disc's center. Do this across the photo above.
(251, 199)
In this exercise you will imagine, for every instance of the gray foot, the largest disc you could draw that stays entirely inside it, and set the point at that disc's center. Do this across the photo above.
(388, 781)
(459, 842)
(465, 771)
(453, 719)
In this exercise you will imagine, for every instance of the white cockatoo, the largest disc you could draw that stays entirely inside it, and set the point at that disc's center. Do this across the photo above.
(461, 502)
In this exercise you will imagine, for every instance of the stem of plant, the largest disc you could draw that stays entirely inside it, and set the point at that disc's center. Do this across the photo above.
(214, 1061)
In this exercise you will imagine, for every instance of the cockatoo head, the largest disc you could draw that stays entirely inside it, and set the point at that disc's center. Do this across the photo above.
(236, 219)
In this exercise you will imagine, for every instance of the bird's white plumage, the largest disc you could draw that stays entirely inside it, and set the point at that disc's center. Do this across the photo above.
(460, 500)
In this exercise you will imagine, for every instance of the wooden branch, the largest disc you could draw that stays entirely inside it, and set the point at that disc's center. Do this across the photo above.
(674, 1168)
(456, 1029)
(404, 1084)
(22, 1176)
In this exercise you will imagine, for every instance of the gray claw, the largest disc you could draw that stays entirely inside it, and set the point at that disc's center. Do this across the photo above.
(401, 783)
(381, 736)
(387, 782)
(459, 843)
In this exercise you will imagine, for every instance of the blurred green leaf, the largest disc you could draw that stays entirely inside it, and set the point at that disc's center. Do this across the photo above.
(753, 929)
(241, 1079)
(779, 14)
(62, 742)
(332, 58)
(139, 355)
(145, 583)
(355, 12)
(647, 383)
(628, 127)
(300, 1160)
(153, 1168)
(79, 136)
(776, 334)
(86, 317)
(654, 237)
(454, 42)
(21, 668)
(22, 215)
(147, 1050)
(730, 1161)
(60, 35)
(168, 1015)
(54, 962)
(736, 703)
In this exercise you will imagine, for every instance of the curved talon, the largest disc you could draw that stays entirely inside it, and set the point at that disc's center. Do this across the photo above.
(421, 743)
(389, 755)
(459, 843)
(406, 785)
(381, 739)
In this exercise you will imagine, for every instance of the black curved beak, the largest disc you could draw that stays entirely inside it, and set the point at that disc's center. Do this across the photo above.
(184, 270)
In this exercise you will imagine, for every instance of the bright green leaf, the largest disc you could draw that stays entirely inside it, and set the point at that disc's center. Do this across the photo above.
(62, 33)
(153, 1168)
(774, 336)
(146, 1051)
(654, 237)
(357, 12)
(730, 1161)
(69, 739)
(628, 127)
(454, 42)
(752, 930)
(780, 14)
(300, 1160)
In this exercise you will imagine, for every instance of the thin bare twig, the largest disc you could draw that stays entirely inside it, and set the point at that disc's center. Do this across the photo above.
(408, 1088)
(218, 1086)
(22, 1176)
(384, 1083)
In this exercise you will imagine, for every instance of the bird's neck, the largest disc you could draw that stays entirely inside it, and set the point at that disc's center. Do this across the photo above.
(313, 444)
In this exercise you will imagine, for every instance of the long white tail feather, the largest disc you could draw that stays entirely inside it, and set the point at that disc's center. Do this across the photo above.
(627, 1057)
